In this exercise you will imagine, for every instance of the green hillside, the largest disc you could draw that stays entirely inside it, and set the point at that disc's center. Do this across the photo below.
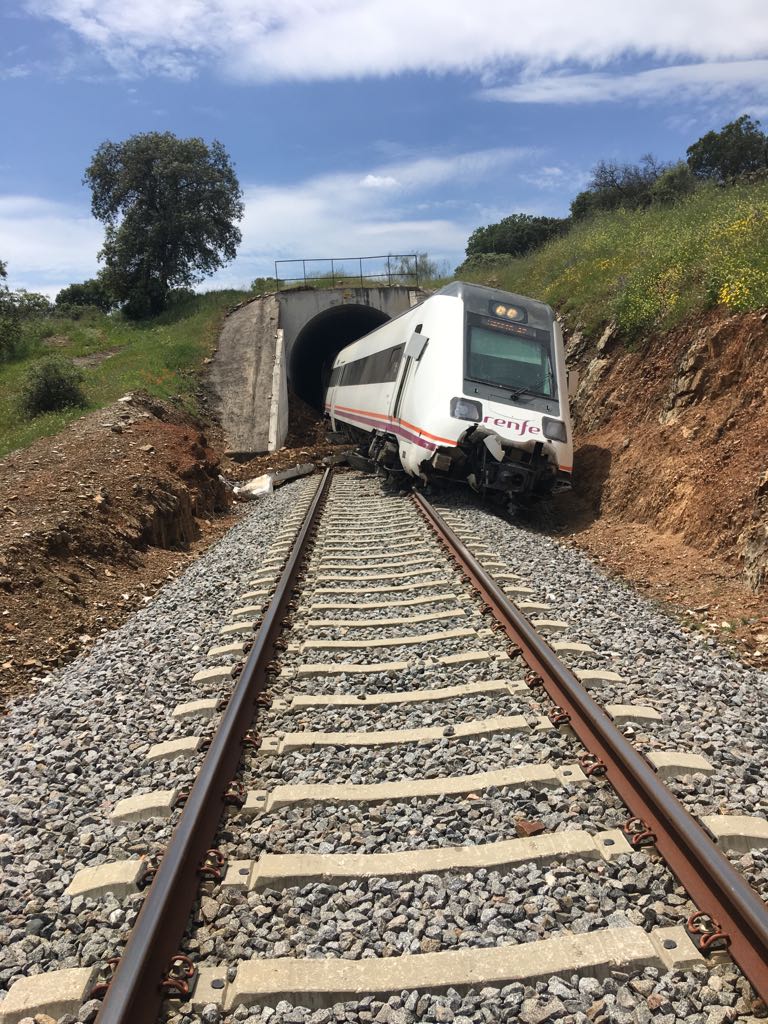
(162, 356)
(648, 269)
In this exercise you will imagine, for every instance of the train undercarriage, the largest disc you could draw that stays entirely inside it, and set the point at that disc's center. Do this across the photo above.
(478, 461)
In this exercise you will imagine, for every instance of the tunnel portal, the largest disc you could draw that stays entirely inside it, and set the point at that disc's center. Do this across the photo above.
(318, 342)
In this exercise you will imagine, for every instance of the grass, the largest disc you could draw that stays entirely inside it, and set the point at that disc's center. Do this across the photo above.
(651, 269)
(162, 356)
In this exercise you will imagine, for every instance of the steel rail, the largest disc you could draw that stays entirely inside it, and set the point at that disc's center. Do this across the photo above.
(134, 995)
(713, 884)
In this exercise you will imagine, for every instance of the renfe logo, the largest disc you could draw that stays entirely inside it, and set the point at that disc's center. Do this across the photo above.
(518, 426)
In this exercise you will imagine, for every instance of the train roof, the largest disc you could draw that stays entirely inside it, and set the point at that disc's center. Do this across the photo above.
(476, 298)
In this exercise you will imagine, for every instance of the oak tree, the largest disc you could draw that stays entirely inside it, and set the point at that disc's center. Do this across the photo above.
(170, 207)
(739, 148)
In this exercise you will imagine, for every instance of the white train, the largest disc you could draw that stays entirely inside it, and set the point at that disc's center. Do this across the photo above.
(469, 385)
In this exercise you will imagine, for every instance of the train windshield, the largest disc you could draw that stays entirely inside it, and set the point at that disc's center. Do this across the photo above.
(509, 361)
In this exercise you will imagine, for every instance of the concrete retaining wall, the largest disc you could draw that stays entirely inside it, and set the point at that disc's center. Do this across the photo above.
(241, 377)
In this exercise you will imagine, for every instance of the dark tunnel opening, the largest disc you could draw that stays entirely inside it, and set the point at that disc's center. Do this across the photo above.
(316, 345)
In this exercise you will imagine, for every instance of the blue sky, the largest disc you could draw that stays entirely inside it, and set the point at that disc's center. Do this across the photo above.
(357, 127)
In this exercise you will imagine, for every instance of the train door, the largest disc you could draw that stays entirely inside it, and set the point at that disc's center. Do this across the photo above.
(413, 351)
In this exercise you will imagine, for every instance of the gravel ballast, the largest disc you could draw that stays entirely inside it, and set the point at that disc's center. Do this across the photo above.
(81, 760)
(78, 745)
(711, 704)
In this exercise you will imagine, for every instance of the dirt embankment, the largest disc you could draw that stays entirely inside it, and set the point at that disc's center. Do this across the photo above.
(671, 468)
(93, 520)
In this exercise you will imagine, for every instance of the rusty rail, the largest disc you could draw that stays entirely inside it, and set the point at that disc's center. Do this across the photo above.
(134, 995)
(712, 883)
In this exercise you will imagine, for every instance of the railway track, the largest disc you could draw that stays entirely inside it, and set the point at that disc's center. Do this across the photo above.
(406, 806)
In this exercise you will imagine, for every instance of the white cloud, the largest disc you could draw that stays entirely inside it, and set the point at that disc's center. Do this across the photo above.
(379, 181)
(556, 179)
(47, 245)
(344, 213)
(308, 40)
(16, 71)
(680, 82)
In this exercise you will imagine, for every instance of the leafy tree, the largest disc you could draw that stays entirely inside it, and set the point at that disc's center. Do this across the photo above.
(92, 292)
(10, 319)
(615, 185)
(675, 183)
(739, 148)
(422, 266)
(32, 304)
(515, 235)
(170, 207)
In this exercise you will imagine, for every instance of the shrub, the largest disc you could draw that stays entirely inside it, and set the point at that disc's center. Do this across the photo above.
(263, 284)
(10, 323)
(67, 311)
(674, 184)
(515, 235)
(88, 294)
(51, 384)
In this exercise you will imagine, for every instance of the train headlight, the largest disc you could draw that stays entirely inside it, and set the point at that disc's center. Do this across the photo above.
(554, 429)
(466, 409)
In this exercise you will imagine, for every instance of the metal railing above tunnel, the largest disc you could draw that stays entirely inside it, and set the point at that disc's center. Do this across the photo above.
(352, 271)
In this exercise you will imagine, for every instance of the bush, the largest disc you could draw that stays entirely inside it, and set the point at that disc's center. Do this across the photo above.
(66, 311)
(515, 235)
(263, 284)
(10, 323)
(674, 184)
(482, 261)
(88, 294)
(51, 384)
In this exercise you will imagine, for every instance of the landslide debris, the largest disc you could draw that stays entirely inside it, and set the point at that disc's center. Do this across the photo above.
(91, 521)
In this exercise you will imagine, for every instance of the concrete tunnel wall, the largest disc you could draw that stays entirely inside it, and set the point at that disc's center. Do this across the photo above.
(289, 339)
(318, 323)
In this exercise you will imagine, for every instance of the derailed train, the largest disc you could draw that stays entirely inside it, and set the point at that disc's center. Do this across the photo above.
(469, 385)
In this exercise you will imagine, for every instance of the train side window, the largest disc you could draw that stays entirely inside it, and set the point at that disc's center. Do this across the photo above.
(396, 355)
(377, 368)
(417, 328)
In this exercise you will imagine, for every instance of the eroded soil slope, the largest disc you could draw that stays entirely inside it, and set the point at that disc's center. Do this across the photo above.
(91, 521)
(94, 519)
(671, 467)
